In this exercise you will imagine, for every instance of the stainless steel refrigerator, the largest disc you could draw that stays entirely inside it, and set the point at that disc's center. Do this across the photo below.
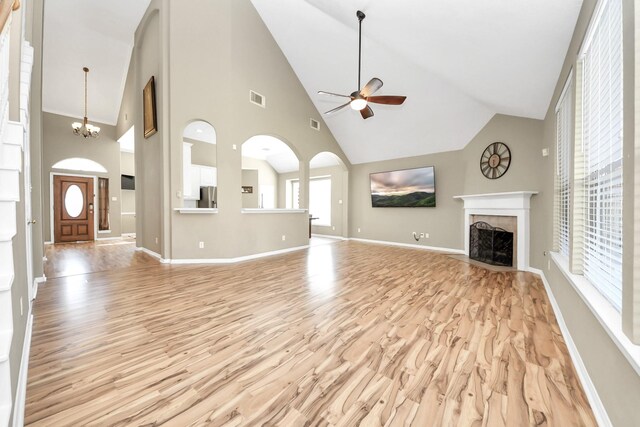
(208, 197)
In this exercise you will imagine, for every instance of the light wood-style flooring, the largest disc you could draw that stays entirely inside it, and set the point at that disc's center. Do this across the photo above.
(342, 334)
(68, 259)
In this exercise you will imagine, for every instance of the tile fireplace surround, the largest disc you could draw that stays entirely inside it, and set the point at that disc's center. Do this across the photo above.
(515, 204)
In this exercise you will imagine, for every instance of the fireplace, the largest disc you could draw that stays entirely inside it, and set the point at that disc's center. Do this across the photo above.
(499, 210)
(490, 244)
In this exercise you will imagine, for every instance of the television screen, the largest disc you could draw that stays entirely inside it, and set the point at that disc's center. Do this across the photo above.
(408, 188)
(127, 182)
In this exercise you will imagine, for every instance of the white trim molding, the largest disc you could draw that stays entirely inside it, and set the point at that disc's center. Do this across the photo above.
(271, 211)
(150, 253)
(516, 203)
(236, 259)
(410, 245)
(595, 402)
(195, 210)
(21, 391)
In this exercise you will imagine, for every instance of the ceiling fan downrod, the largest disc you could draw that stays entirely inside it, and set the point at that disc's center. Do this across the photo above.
(360, 16)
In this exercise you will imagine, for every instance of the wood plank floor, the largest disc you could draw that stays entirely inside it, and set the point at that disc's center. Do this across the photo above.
(67, 259)
(343, 334)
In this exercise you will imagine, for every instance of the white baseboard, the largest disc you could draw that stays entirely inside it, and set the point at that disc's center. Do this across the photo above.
(150, 253)
(36, 284)
(598, 408)
(237, 259)
(410, 245)
(329, 236)
(21, 391)
(108, 238)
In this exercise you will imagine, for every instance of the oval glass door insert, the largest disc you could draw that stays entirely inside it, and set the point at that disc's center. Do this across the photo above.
(73, 201)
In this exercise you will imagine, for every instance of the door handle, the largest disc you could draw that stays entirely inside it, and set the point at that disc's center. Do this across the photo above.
(33, 221)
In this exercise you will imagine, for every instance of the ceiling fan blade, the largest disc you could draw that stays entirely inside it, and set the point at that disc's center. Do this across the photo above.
(366, 112)
(387, 99)
(322, 92)
(337, 108)
(373, 85)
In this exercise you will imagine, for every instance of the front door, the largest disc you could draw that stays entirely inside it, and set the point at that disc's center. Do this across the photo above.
(72, 208)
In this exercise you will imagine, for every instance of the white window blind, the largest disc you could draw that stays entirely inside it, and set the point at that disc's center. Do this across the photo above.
(602, 150)
(564, 137)
(320, 200)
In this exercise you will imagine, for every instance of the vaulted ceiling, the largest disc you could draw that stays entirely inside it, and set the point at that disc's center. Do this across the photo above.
(458, 62)
(97, 34)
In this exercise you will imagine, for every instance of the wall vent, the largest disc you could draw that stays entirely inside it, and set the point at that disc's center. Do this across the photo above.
(257, 99)
(314, 124)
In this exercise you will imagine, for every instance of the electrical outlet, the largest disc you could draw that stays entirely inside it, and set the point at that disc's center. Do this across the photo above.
(201, 245)
(114, 199)
(340, 201)
(235, 147)
(178, 194)
(156, 240)
(426, 235)
(333, 228)
(284, 237)
(21, 309)
(358, 229)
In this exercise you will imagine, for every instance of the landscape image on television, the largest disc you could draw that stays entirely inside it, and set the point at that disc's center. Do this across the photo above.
(408, 188)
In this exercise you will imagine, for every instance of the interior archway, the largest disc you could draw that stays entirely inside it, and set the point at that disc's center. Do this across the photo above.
(270, 174)
(328, 195)
(199, 165)
(79, 164)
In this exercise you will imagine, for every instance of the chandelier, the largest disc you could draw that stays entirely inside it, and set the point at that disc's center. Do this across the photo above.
(84, 129)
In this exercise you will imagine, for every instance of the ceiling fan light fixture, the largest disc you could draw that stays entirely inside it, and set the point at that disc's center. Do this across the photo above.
(358, 104)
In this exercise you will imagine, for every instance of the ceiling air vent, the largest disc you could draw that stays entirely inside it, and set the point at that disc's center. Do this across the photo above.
(314, 124)
(257, 99)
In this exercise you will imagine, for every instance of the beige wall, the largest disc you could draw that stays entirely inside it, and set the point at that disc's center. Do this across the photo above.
(202, 153)
(126, 115)
(456, 173)
(251, 178)
(215, 88)
(267, 175)
(149, 57)
(60, 143)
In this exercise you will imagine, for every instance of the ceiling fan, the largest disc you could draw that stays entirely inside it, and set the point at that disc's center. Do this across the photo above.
(360, 99)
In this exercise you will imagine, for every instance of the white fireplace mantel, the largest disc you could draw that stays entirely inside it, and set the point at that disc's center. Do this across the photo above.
(516, 203)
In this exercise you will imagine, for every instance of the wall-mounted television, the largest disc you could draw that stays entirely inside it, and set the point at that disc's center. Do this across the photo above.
(127, 182)
(407, 188)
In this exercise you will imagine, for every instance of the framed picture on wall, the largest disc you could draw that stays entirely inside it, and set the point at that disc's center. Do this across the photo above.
(149, 108)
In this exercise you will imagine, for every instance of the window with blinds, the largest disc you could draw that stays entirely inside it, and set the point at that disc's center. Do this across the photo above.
(602, 152)
(564, 137)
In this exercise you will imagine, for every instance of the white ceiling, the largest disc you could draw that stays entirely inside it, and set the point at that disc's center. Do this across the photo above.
(275, 152)
(459, 63)
(200, 131)
(94, 33)
(324, 159)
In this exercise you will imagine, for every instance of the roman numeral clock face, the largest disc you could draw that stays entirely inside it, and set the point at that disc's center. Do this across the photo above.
(495, 160)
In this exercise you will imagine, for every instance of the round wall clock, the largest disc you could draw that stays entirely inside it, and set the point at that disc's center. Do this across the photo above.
(495, 160)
